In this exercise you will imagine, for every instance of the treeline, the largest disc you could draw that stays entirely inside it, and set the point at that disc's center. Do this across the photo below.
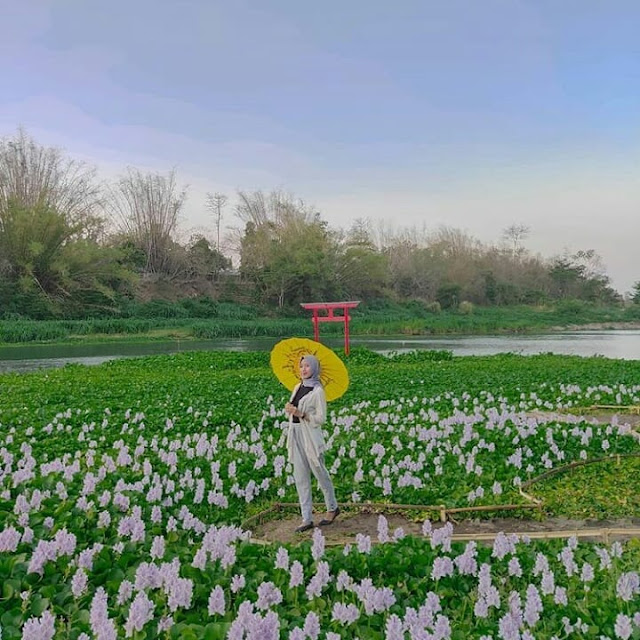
(72, 247)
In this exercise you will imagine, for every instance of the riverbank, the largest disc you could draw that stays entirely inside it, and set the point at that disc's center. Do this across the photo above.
(388, 321)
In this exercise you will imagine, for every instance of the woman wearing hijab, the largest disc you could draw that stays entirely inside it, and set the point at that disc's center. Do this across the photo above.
(307, 410)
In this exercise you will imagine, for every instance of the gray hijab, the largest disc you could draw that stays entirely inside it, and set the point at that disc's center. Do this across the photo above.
(314, 363)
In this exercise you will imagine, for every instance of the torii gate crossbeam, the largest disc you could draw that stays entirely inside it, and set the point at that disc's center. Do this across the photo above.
(329, 308)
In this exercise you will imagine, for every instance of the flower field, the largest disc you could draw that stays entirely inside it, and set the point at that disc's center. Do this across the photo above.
(123, 489)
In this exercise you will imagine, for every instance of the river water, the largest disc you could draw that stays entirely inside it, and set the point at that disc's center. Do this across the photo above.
(623, 344)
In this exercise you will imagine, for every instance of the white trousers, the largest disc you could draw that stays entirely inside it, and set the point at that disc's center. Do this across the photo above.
(302, 468)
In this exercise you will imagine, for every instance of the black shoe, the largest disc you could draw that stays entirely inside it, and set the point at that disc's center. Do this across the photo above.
(334, 514)
(304, 527)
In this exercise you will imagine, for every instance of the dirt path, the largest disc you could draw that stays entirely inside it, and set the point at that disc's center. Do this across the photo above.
(599, 416)
(348, 525)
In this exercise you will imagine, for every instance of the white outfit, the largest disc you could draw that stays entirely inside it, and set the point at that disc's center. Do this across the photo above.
(306, 447)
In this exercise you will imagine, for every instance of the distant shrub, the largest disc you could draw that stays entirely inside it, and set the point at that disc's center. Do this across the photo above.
(572, 307)
(466, 307)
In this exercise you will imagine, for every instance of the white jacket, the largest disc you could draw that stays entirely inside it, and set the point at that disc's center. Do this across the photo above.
(314, 408)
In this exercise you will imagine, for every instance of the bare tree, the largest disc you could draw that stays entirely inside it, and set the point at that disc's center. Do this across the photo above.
(146, 208)
(32, 176)
(216, 203)
(592, 262)
(514, 235)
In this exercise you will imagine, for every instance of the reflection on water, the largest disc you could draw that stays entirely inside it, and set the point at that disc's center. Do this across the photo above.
(623, 344)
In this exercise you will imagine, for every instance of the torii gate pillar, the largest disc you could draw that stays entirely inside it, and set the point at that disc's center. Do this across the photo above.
(330, 307)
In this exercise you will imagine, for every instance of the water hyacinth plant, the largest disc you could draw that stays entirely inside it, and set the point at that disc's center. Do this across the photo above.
(123, 488)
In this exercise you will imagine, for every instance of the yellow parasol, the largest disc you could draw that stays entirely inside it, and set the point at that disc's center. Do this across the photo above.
(285, 362)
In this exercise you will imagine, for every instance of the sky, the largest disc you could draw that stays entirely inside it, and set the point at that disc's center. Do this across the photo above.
(475, 115)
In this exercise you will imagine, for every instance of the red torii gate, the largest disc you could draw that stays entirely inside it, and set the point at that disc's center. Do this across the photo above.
(330, 307)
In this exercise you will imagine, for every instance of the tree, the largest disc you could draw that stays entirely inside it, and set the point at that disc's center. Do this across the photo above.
(514, 235)
(635, 293)
(284, 248)
(50, 225)
(361, 271)
(216, 203)
(205, 261)
(146, 209)
(33, 176)
(47, 258)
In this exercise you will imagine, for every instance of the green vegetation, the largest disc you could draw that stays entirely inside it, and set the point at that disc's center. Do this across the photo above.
(202, 318)
(114, 477)
(163, 387)
(71, 249)
(598, 491)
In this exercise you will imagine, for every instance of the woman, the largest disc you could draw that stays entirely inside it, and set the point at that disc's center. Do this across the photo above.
(307, 410)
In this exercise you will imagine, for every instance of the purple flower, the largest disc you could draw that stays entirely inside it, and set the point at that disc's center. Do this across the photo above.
(216, 601)
(548, 583)
(102, 627)
(514, 567)
(442, 567)
(393, 629)
(509, 627)
(282, 559)
(628, 585)
(344, 613)
(157, 548)
(319, 581)
(237, 582)
(140, 612)
(268, 595)
(296, 575)
(442, 629)
(79, 583)
(372, 598)
(180, 592)
(398, 534)
(125, 591)
(312, 626)
(343, 581)
(9, 539)
(533, 606)
(566, 556)
(383, 529)
(466, 562)
(504, 545)
(364, 543)
(165, 623)
(442, 537)
(623, 627)
(541, 565)
(317, 549)
(560, 596)
(605, 558)
(587, 574)
(42, 628)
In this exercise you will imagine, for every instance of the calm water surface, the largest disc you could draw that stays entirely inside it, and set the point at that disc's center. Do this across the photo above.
(623, 344)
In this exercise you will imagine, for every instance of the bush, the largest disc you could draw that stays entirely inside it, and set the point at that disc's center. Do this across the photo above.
(465, 307)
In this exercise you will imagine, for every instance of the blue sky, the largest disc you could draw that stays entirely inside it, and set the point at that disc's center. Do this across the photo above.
(475, 115)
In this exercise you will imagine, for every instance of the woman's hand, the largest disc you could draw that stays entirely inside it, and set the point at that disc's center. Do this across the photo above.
(292, 410)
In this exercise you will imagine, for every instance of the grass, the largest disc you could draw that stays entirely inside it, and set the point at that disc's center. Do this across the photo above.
(243, 321)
